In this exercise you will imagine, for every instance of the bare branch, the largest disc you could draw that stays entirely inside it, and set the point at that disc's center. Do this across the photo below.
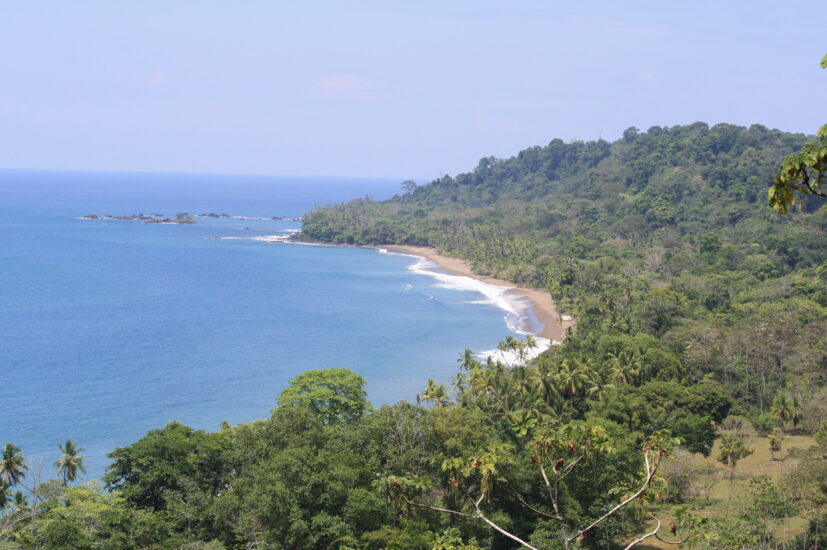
(478, 515)
(642, 538)
(675, 542)
(651, 458)
(437, 509)
(11, 520)
(529, 506)
(650, 473)
(567, 470)
(553, 492)
(551, 495)
(654, 533)
(502, 531)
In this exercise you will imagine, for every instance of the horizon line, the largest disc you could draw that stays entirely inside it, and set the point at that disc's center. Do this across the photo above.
(204, 173)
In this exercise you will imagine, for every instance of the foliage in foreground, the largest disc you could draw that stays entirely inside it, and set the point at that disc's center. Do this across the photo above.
(688, 310)
(511, 461)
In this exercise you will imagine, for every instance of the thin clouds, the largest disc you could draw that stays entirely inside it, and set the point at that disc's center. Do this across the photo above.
(157, 79)
(347, 86)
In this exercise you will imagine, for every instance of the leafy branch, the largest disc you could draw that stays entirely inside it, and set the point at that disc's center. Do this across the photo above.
(558, 452)
(802, 174)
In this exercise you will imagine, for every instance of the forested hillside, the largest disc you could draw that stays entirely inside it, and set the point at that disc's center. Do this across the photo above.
(664, 233)
(688, 405)
(663, 247)
(659, 191)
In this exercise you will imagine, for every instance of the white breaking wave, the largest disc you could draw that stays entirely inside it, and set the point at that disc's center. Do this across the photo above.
(516, 309)
(512, 358)
(283, 237)
(271, 238)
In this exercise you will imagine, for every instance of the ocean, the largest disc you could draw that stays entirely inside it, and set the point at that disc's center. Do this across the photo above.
(112, 328)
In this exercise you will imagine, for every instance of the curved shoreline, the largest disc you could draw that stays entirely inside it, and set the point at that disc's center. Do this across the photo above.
(542, 305)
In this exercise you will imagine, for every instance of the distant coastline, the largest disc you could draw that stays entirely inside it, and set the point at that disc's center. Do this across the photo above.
(542, 305)
(181, 218)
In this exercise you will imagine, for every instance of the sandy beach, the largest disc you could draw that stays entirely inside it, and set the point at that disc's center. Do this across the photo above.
(542, 306)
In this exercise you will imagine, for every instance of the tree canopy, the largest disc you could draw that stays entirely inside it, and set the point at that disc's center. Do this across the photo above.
(334, 395)
(801, 174)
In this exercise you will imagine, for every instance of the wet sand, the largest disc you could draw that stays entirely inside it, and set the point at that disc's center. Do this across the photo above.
(542, 306)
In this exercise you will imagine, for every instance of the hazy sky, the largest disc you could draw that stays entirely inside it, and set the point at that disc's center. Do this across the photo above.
(386, 88)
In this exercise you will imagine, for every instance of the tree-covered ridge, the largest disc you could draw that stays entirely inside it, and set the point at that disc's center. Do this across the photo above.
(688, 290)
(664, 233)
(665, 187)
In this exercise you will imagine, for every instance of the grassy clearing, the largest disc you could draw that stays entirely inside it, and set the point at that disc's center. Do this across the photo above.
(720, 493)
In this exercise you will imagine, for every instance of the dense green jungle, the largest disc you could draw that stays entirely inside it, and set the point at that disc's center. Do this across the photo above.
(687, 405)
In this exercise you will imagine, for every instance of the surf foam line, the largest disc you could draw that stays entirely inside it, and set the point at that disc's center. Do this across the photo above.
(516, 308)
(283, 237)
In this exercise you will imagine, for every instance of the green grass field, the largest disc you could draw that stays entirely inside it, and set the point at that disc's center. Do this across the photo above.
(721, 493)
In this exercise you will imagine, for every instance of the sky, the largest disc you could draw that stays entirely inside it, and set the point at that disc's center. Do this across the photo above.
(412, 89)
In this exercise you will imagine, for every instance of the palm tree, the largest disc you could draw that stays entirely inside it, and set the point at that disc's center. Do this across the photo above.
(12, 464)
(530, 342)
(477, 382)
(782, 408)
(795, 403)
(510, 345)
(501, 347)
(522, 380)
(20, 501)
(496, 384)
(572, 376)
(598, 386)
(522, 421)
(5, 495)
(615, 322)
(69, 464)
(545, 381)
(460, 382)
(524, 348)
(624, 366)
(436, 393)
(467, 361)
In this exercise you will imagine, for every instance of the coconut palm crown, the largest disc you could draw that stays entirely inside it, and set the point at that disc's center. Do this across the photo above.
(70, 462)
(12, 465)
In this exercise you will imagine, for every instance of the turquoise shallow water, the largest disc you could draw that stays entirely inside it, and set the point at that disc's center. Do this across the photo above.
(109, 329)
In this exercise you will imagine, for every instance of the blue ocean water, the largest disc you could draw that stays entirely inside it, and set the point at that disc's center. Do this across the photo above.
(112, 328)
